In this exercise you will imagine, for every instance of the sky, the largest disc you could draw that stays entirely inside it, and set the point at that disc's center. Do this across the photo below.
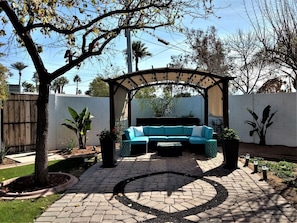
(232, 17)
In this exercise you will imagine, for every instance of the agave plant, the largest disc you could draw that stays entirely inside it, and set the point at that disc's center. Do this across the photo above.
(80, 124)
(261, 127)
(3, 151)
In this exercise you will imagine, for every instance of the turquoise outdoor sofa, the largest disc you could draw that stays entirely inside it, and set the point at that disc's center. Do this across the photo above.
(145, 135)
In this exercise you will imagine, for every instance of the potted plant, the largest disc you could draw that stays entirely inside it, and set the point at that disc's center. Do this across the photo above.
(107, 140)
(230, 146)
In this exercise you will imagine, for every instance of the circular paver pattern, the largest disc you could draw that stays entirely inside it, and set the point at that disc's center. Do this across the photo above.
(170, 196)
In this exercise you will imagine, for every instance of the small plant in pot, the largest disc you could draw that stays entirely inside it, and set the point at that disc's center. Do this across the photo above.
(107, 140)
(230, 147)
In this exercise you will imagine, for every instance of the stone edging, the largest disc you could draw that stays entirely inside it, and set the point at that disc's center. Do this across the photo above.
(40, 193)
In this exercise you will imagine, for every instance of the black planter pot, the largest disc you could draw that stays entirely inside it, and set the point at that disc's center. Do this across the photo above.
(108, 153)
(230, 151)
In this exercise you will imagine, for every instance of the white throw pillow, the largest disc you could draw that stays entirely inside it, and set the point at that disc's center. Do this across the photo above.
(197, 131)
(138, 131)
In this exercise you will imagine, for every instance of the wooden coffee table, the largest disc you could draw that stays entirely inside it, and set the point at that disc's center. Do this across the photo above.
(169, 149)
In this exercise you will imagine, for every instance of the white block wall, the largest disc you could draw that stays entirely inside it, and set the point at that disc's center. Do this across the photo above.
(282, 132)
(60, 136)
(183, 107)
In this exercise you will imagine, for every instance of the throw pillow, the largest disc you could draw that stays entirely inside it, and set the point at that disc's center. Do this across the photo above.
(138, 131)
(197, 131)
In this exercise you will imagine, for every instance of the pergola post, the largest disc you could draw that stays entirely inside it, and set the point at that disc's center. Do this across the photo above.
(206, 107)
(129, 109)
(111, 106)
(225, 103)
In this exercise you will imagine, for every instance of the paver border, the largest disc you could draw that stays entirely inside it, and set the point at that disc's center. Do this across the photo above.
(176, 217)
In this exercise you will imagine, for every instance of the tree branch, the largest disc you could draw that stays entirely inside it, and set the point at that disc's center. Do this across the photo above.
(26, 38)
(97, 19)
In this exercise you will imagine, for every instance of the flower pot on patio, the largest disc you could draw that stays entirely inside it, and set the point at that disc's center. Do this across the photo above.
(230, 147)
(108, 153)
(230, 151)
(107, 140)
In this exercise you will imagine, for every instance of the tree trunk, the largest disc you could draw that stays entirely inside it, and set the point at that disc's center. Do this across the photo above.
(262, 141)
(80, 142)
(136, 64)
(41, 159)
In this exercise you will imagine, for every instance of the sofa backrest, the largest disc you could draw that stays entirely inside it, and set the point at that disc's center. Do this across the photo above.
(207, 132)
(129, 133)
(134, 131)
(188, 130)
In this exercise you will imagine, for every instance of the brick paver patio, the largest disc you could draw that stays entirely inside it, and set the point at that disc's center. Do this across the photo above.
(189, 188)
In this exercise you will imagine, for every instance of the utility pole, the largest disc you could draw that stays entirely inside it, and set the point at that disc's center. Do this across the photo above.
(129, 45)
(129, 50)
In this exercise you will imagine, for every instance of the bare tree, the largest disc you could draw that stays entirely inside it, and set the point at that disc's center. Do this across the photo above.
(247, 62)
(207, 52)
(82, 30)
(275, 23)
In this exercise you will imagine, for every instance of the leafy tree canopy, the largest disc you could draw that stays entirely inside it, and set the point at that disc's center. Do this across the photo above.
(147, 92)
(98, 88)
(4, 73)
(3, 83)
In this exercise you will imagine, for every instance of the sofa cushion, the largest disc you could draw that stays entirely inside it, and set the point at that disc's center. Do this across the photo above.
(156, 131)
(197, 140)
(146, 130)
(197, 131)
(157, 138)
(173, 130)
(188, 130)
(177, 138)
(140, 140)
(138, 131)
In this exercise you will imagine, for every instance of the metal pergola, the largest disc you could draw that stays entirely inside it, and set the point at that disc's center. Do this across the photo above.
(213, 87)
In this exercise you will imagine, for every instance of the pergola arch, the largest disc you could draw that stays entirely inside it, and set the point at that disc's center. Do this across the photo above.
(210, 86)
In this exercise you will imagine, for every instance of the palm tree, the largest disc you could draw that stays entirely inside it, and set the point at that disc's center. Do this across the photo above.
(28, 87)
(76, 79)
(58, 84)
(139, 51)
(19, 66)
(63, 81)
(55, 86)
(35, 78)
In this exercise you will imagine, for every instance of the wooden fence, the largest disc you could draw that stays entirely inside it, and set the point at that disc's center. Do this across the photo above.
(19, 122)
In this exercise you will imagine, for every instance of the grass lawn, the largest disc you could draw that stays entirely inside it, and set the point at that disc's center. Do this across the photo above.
(30, 209)
(25, 210)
